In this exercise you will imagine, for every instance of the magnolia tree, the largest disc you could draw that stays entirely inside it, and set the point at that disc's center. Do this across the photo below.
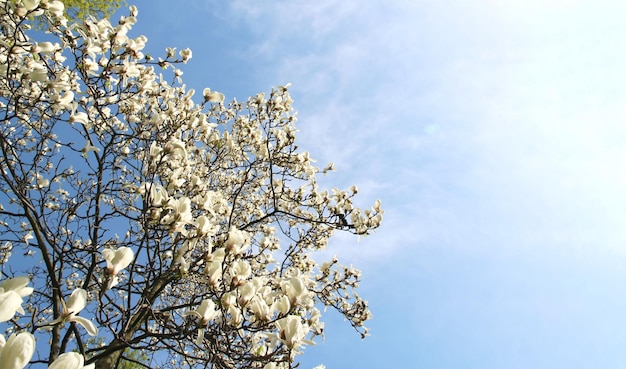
(79, 9)
(136, 219)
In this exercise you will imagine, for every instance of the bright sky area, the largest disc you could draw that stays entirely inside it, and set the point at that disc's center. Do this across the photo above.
(493, 132)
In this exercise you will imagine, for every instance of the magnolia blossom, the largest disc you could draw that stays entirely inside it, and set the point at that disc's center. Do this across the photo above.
(204, 226)
(206, 312)
(212, 96)
(17, 351)
(80, 117)
(179, 215)
(291, 331)
(260, 309)
(116, 261)
(12, 292)
(239, 272)
(282, 305)
(70, 360)
(185, 55)
(56, 7)
(176, 147)
(39, 73)
(229, 301)
(76, 303)
(46, 47)
(17, 284)
(156, 194)
(295, 288)
(89, 147)
(214, 265)
(236, 241)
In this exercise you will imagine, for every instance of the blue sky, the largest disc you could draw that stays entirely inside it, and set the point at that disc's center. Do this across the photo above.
(494, 133)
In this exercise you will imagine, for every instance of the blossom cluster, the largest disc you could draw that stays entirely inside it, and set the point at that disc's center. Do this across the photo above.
(150, 221)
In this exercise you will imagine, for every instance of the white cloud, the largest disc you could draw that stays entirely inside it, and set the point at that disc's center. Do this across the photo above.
(477, 121)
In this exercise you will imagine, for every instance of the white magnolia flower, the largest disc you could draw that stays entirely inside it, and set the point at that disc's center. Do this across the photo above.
(12, 292)
(38, 73)
(155, 151)
(156, 194)
(46, 47)
(236, 241)
(214, 266)
(295, 289)
(246, 292)
(70, 360)
(17, 284)
(118, 259)
(240, 271)
(179, 215)
(176, 147)
(185, 55)
(65, 100)
(204, 226)
(282, 305)
(235, 318)
(42, 182)
(89, 147)
(17, 351)
(212, 96)
(76, 303)
(80, 117)
(260, 309)
(291, 330)
(206, 312)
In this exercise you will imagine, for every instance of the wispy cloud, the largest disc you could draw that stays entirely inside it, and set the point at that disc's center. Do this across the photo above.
(480, 115)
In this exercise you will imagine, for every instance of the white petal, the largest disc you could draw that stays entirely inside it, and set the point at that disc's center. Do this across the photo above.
(108, 255)
(200, 337)
(123, 257)
(207, 310)
(18, 351)
(87, 324)
(114, 281)
(10, 302)
(30, 4)
(68, 360)
(56, 6)
(77, 301)
(17, 284)
(192, 312)
(89, 147)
